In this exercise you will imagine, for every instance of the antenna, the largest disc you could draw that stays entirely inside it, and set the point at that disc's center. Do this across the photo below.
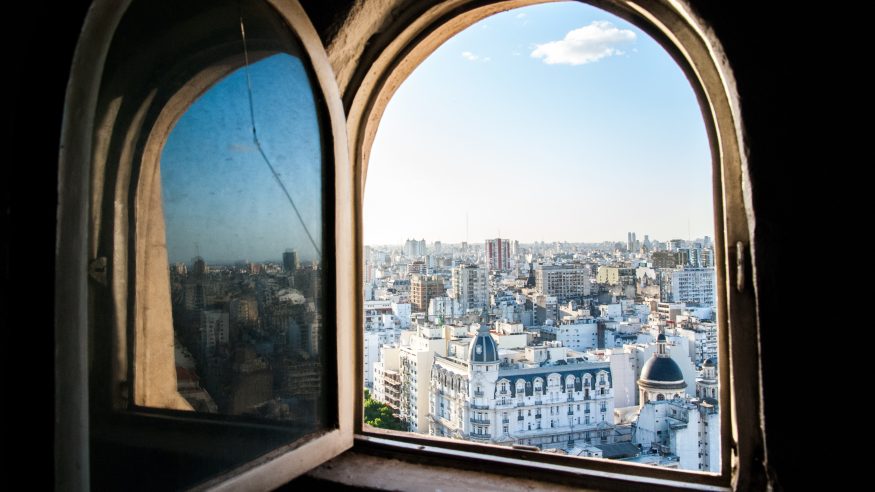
(197, 249)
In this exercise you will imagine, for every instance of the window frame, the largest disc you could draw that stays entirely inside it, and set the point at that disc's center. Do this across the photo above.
(368, 77)
(98, 300)
(402, 44)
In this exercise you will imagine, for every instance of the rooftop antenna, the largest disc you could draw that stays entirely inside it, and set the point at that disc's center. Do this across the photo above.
(197, 249)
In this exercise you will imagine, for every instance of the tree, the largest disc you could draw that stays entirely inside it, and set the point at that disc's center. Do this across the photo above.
(380, 415)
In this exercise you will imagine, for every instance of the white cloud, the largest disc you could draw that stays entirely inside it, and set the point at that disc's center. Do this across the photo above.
(475, 57)
(585, 45)
(521, 15)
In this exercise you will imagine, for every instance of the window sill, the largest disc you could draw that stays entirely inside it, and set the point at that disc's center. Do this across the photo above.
(387, 464)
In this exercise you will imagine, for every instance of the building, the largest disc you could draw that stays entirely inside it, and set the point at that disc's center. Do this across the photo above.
(470, 287)
(582, 334)
(672, 423)
(387, 378)
(414, 362)
(373, 341)
(423, 288)
(562, 281)
(414, 248)
(290, 260)
(613, 275)
(693, 286)
(498, 255)
(546, 396)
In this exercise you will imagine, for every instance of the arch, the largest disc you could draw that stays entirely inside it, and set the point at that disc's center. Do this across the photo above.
(369, 83)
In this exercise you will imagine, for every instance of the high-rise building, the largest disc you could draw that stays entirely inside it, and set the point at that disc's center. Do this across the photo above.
(290, 260)
(692, 286)
(423, 288)
(498, 254)
(469, 287)
(414, 248)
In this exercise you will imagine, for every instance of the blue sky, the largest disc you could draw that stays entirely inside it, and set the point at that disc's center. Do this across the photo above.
(551, 122)
(217, 190)
(556, 122)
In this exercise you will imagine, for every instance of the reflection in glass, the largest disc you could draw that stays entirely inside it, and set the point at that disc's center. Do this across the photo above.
(244, 234)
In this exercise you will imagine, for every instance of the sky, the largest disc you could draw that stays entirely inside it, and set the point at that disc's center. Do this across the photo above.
(220, 197)
(555, 122)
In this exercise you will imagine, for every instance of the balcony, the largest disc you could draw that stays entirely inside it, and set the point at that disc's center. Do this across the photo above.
(475, 420)
(478, 394)
(479, 437)
(477, 406)
(537, 415)
(520, 418)
(505, 421)
(570, 397)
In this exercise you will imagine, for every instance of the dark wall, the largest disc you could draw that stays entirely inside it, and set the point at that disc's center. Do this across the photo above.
(41, 60)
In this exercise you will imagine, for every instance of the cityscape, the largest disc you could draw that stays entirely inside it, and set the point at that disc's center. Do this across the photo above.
(604, 350)
(248, 338)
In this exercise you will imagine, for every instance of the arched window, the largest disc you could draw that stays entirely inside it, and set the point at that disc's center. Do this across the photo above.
(113, 262)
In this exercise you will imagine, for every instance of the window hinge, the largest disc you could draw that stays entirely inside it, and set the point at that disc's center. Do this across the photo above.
(97, 270)
(740, 261)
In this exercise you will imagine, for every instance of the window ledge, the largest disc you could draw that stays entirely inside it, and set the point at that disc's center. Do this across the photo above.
(387, 464)
(356, 469)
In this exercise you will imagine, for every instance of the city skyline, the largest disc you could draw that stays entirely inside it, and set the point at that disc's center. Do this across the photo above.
(551, 121)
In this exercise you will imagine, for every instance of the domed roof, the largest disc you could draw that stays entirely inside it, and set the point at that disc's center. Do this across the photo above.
(661, 370)
(709, 362)
(483, 348)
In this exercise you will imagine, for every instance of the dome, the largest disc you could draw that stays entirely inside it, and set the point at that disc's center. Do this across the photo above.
(483, 348)
(661, 370)
(710, 362)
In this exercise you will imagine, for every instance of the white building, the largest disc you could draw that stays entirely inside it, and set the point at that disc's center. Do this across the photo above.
(415, 361)
(373, 340)
(693, 286)
(580, 335)
(387, 378)
(469, 287)
(670, 422)
(545, 396)
(444, 307)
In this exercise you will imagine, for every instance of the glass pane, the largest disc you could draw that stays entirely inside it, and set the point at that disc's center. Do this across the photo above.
(242, 183)
(557, 288)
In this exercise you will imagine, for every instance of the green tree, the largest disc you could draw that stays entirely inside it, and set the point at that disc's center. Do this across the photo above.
(380, 415)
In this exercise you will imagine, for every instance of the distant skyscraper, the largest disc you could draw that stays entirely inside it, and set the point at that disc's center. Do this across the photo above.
(498, 254)
(290, 260)
(414, 248)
